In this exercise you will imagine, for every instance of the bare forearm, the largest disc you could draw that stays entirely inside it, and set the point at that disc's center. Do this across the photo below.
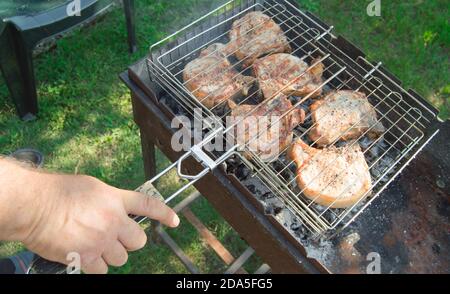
(54, 215)
(21, 199)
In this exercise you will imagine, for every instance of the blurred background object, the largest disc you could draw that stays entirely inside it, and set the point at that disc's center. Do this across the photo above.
(26, 23)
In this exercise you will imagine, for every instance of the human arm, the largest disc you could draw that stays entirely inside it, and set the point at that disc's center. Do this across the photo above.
(54, 215)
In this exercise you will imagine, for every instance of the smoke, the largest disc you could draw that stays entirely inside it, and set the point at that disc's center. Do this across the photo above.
(170, 18)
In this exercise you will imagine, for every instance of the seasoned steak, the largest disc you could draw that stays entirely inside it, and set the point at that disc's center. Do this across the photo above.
(212, 79)
(336, 177)
(278, 136)
(288, 74)
(343, 115)
(255, 35)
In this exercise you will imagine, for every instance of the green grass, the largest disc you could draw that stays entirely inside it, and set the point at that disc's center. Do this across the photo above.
(412, 38)
(85, 123)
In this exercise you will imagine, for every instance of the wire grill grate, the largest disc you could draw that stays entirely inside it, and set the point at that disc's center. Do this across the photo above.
(404, 117)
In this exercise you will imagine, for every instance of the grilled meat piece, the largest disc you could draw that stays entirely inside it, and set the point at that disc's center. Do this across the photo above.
(255, 35)
(215, 49)
(288, 74)
(343, 115)
(252, 118)
(212, 79)
(336, 177)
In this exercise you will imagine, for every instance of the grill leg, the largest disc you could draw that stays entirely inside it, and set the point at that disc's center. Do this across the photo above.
(148, 153)
(128, 6)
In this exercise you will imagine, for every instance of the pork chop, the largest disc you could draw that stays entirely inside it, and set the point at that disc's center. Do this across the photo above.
(288, 74)
(335, 177)
(212, 79)
(343, 115)
(255, 35)
(266, 144)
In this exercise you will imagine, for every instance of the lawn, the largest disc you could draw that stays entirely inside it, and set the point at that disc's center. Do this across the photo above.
(85, 124)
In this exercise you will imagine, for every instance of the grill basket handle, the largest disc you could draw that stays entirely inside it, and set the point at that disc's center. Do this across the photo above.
(43, 266)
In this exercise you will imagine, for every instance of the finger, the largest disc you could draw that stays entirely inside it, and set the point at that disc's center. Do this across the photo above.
(98, 266)
(115, 255)
(143, 205)
(132, 236)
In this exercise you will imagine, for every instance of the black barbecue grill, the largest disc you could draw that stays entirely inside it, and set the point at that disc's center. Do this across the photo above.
(307, 230)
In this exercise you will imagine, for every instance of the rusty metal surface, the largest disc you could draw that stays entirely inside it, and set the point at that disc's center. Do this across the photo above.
(408, 225)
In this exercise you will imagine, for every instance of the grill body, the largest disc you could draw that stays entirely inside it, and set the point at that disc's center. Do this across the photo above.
(407, 225)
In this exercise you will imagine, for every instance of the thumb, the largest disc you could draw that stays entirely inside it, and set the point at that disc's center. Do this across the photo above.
(140, 204)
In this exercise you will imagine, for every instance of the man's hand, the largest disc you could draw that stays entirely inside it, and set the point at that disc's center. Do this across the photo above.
(54, 215)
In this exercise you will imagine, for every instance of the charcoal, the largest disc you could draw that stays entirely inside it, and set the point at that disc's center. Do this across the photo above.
(268, 210)
(252, 188)
(267, 195)
(295, 225)
(277, 210)
(242, 172)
